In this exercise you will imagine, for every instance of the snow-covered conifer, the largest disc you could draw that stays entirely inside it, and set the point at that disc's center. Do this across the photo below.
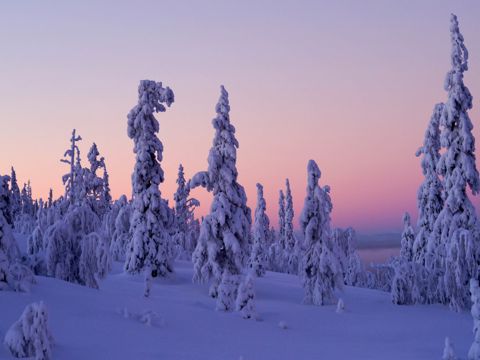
(30, 335)
(457, 166)
(261, 234)
(291, 247)
(65, 248)
(408, 237)
(227, 291)
(429, 195)
(281, 219)
(150, 238)
(120, 214)
(246, 298)
(72, 155)
(321, 271)
(224, 237)
(15, 198)
(184, 207)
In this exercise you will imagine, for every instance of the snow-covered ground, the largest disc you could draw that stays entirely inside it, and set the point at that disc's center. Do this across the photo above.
(90, 324)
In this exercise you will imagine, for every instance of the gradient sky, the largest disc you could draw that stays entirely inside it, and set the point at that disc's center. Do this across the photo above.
(350, 84)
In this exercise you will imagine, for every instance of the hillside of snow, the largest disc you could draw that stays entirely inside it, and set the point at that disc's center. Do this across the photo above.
(107, 323)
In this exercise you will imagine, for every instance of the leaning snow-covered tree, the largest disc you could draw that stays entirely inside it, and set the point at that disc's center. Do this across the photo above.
(457, 224)
(429, 195)
(150, 242)
(224, 236)
(261, 234)
(30, 335)
(321, 271)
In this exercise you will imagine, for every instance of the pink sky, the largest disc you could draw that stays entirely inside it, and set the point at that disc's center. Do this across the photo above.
(351, 86)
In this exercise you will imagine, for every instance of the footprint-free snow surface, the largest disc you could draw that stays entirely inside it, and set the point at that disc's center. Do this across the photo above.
(178, 321)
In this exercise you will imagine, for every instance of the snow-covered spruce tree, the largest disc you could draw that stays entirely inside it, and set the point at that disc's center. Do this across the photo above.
(30, 336)
(150, 242)
(65, 250)
(457, 166)
(246, 298)
(13, 275)
(429, 195)
(291, 246)
(276, 254)
(184, 208)
(69, 179)
(474, 352)
(354, 272)
(321, 271)
(93, 182)
(261, 234)
(121, 231)
(105, 196)
(15, 198)
(408, 237)
(281, 219)
(224, 236)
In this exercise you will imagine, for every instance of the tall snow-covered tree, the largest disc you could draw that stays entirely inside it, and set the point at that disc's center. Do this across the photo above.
(457, 166)
(15, 197)
(408, 237)
(184, 207)
(429, 195)
(105, 196)
(321, 272)
(261, 235)
(281, 219)
(291, 246)
(224, 236)
(72, 157)
(150, 243)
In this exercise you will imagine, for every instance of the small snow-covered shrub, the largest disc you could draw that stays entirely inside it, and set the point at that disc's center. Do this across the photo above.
(227, 292)
(340, 307)
(246, 298)
(30, 336)
(448, 351)
(474, 352)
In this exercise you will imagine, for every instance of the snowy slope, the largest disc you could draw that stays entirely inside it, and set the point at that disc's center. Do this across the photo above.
(87, 323)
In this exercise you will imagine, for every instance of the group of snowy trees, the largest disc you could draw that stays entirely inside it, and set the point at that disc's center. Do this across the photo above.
(437, 262)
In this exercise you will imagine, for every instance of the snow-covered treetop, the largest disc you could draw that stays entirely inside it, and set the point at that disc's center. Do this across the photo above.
(142, 127)
(92, 158)
(457, 136)
(314, 174)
